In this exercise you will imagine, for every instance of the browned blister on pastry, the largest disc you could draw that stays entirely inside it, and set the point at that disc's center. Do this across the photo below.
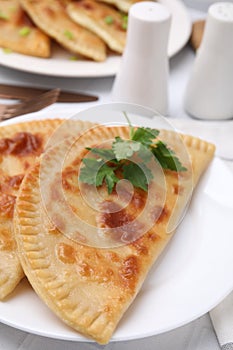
(87, 286)
(20, 145)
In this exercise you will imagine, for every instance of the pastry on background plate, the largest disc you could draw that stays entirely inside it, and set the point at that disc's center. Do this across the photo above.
(20, 146)
(19, 34)
(123, 5)
(106, 22)
(83, 236)
(197, 34)
(51, 17)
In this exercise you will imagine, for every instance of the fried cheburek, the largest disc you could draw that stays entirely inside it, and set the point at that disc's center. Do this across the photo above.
(103, 20)
(18, 33)
(51, 17)
(88, 286)
(20, 145)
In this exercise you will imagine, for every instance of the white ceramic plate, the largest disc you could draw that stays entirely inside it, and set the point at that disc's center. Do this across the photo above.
(60, 64)
(192, 275)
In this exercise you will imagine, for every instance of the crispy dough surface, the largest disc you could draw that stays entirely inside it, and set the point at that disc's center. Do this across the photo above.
(92, 15)
(123, 5)
(20, 146)
(197, 34)
(12, 20)
(90, 288)
(52, 18)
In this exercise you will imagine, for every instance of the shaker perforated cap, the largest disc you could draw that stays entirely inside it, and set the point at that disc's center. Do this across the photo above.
(222, 11)
(149, 11)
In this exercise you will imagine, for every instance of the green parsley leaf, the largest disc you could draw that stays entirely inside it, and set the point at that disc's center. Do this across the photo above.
(131, 128)
(106, 173)
(24, 31)
(144, 153)
(166, 157)
(104, 153)
(95, 172)
(108, 20)
(145, 135)
(115, 163)
(69, 34)
(138, 176)
(88, 173)
(124, 149)
(110, 179)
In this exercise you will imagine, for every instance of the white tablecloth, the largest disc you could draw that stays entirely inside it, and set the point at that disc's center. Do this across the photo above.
(197, 335)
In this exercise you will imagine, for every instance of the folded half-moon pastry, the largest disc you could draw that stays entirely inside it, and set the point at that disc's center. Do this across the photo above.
(20, 145)
(18, 33)
(101, 19)
(123, 5)
(51, 17)
(79, 246)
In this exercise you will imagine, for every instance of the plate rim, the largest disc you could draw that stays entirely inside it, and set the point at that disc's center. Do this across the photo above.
(95, 69)
(78, 337)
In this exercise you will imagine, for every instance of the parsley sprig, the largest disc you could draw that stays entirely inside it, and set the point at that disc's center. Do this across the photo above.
(111, 165)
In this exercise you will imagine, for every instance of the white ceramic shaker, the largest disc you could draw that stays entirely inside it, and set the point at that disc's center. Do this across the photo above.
(209, 93)
(143, 75)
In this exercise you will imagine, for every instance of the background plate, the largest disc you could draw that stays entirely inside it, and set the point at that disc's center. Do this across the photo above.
(192, 275)
(61, 66)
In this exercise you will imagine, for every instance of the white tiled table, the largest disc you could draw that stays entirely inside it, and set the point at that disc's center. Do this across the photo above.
(197, 335)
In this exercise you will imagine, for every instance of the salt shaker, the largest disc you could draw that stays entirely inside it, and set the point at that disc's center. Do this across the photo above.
(209, 93)
(143, 75)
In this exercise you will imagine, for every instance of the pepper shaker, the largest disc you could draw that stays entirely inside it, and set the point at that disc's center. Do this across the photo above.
(143, 75)
(209, 93)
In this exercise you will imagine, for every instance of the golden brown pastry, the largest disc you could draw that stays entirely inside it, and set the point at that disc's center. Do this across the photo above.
(51, 17)
(58, 231)
(123, 5)
(18, 33)
(102, 20)
(197, 34)
(20, 145)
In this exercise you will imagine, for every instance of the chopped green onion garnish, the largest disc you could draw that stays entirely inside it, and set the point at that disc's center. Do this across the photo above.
(4, 16)
(24, 31)
(69, 34)
(108, 20)
(73, 58)
(13, 8)
(7, 50)
(124, 26)
(125, 22)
